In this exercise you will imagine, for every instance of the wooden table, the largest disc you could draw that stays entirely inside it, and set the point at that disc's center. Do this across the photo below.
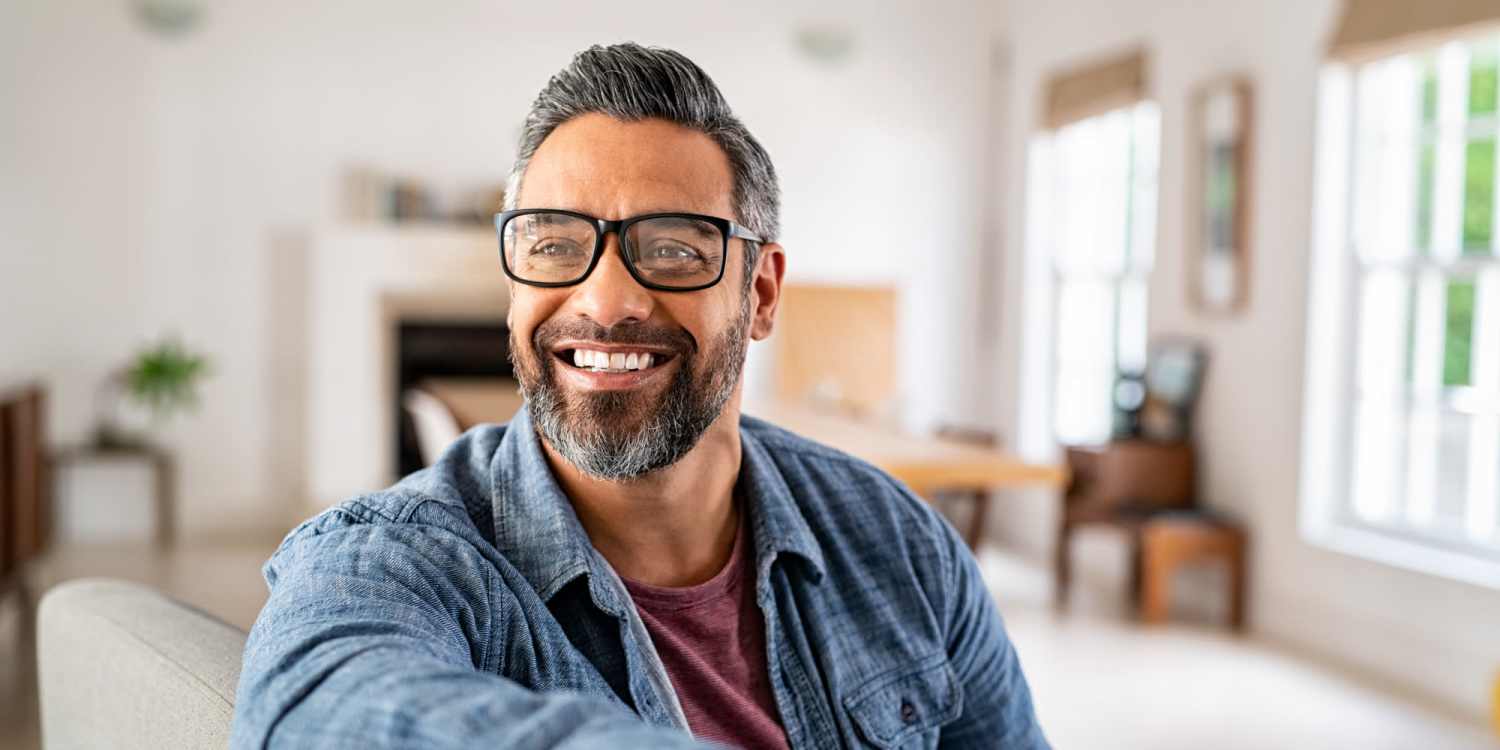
(928, 465)
(925, 464)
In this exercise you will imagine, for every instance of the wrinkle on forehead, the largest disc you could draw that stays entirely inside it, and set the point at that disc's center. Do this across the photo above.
(613, 169)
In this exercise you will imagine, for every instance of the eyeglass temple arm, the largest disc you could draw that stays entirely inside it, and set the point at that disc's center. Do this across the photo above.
(735, 230)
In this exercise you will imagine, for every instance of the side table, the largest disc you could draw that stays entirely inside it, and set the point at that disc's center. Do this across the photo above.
(162, 467)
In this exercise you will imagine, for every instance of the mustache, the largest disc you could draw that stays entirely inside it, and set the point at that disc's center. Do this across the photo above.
(581, 329)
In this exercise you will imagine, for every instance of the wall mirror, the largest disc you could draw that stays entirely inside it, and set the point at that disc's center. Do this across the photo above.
(1218, 197)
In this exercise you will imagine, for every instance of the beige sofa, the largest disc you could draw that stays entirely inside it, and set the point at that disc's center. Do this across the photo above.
(123, 666)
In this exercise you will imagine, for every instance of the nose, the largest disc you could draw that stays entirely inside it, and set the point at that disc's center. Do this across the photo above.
(610, 295)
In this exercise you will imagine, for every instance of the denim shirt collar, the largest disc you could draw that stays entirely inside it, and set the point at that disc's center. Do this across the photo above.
(537, 530)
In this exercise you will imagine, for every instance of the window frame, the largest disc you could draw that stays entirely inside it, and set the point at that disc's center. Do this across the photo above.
(1047, 273)
(1333, 391)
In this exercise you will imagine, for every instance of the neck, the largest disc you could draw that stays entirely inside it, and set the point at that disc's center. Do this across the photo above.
(672, 527)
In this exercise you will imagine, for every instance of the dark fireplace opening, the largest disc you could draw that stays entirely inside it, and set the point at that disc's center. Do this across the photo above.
(442, 349)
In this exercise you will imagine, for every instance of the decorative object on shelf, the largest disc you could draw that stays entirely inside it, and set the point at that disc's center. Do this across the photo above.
(475, 205)
(369, 194)
(159, 383)
(1128, 398)
(1174, 377)
(1218, 214)
(409, 200)
(362, 193)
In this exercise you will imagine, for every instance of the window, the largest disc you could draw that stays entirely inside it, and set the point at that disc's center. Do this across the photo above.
(1407, 266)
(1091, 232)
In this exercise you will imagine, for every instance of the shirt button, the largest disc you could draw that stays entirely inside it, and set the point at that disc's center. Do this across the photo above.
(908, 712)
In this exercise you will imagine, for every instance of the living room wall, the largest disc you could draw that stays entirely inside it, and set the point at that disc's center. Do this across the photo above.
(74, 163)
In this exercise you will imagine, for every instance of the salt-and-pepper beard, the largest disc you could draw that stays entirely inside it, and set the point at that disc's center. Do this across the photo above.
(616, 435)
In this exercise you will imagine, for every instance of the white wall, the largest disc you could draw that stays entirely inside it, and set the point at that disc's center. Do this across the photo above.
(74, 159)
(213, 149)
(1425, 633)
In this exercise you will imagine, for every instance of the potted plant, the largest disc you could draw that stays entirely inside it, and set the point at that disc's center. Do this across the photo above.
(160, 382)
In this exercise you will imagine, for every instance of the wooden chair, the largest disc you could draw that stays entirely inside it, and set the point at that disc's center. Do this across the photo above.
(1146, 490)
(1121, 485)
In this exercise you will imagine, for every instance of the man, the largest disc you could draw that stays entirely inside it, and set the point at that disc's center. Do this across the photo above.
(629, 562)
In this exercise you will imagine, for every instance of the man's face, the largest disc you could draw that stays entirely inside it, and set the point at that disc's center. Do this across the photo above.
(618, 425)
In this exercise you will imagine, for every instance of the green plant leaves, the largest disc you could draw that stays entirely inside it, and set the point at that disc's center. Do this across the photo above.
(164, 378)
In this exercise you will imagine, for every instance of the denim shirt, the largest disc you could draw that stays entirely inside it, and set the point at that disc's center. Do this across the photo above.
(466, 607)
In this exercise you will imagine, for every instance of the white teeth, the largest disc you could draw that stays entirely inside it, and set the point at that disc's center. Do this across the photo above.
(589, 359)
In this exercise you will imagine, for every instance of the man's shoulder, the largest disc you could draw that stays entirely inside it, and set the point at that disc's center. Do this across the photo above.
(452, 495)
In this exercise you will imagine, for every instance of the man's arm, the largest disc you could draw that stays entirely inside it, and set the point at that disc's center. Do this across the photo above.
(997, 701)
(366, 642)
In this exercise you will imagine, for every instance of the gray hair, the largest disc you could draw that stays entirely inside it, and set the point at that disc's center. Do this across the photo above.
(629, 82)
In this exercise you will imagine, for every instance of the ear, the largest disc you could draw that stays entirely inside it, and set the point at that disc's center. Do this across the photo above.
(766, 287)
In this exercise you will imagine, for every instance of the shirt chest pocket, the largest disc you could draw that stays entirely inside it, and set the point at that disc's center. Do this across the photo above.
(906, 708)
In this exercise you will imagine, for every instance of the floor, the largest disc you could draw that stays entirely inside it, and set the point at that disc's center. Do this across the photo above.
(1098, 680)
(1101, 681)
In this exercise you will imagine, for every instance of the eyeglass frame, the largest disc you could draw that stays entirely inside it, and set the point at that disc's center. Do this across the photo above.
(729, 230)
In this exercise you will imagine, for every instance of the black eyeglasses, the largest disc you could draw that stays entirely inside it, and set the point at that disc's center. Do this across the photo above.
(672, 252)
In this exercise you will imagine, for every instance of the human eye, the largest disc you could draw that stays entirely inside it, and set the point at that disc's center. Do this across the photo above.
(673, 252)
(555, 249)
(669, 259)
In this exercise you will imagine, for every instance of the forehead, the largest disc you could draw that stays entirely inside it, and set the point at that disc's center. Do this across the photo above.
(614, 169)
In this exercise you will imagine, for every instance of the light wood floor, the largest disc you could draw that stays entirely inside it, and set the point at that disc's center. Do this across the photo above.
(1098, 680)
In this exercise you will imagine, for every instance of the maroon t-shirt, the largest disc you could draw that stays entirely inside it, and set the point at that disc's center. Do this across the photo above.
(712, 640)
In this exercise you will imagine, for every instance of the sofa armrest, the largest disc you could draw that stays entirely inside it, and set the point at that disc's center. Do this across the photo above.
(123, 665)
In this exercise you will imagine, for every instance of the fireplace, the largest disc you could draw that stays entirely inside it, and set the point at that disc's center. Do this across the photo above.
(428, 349)
(365, 287)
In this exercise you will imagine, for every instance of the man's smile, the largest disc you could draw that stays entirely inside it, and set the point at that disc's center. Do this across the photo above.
(611, 366)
